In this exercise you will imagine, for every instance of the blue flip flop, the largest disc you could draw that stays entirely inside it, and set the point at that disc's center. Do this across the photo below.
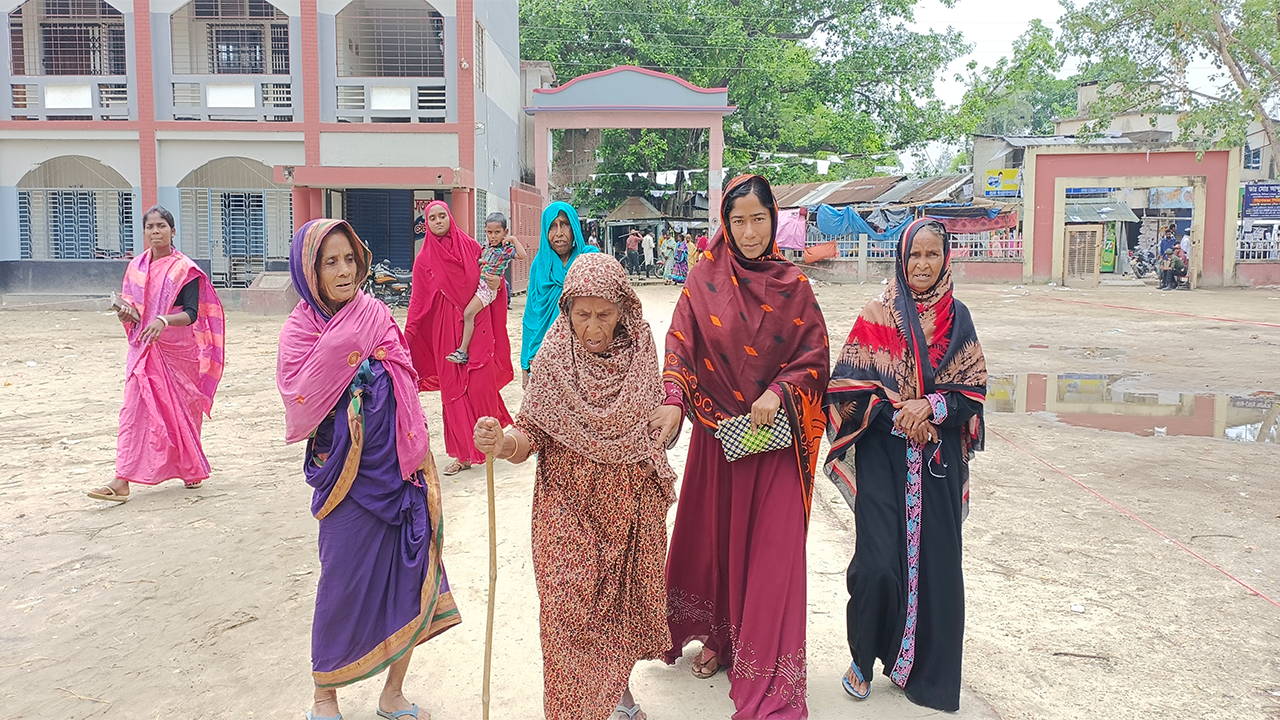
(411, 712)
(848, 687)
(314, 717)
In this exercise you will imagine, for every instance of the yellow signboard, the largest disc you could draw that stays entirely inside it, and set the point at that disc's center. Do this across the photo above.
(1002, 183)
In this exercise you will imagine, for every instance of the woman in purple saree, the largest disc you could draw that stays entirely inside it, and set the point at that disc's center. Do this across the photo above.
(350, 390)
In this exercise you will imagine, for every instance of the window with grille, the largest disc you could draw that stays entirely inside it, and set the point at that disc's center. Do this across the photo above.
(230, 37)
(67, 37)
(478, 52)
(381, 39)
(236, 50)
(1252, 158)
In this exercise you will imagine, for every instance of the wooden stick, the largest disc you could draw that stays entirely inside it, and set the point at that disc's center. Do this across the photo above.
(493, 584)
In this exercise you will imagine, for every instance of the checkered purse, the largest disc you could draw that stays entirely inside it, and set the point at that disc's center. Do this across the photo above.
(738, 440)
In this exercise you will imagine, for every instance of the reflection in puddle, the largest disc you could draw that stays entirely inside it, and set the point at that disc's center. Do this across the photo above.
(1094, 401)
(1091, 353)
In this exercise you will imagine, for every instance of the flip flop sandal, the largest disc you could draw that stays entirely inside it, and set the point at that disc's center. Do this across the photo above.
(630, 712)
(194, 486)
(111, 496)
(848, 687)
(457, 357)
(318, 717)
(455, 468)
(412, 712)
(703, 673)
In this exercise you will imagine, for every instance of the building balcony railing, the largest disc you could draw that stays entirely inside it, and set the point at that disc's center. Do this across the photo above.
(63, 97)
(391, 100)
(233, 97)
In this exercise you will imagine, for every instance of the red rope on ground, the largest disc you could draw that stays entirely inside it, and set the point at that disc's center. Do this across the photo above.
(1138, 309)
(1137, 519)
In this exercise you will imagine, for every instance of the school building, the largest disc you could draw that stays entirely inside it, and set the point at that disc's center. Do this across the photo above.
(247, 118)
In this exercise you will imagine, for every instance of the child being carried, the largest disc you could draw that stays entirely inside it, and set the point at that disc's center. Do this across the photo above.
(493, 262)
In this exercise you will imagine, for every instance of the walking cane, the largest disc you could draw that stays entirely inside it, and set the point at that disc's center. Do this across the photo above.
(493, 584)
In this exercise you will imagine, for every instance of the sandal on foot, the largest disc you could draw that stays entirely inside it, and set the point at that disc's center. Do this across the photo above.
(848, 687)
(195, 486)
(455, 467)
(628, 712)
(704, 670)
(458, 357)
(106, 492)
(412, 712)
(317, 717)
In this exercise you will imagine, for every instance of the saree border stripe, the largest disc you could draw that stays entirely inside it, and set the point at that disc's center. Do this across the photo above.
(439, 611)
(351, 466)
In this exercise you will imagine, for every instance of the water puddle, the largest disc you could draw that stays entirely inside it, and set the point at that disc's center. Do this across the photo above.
(1083, 352)
(1100, 401)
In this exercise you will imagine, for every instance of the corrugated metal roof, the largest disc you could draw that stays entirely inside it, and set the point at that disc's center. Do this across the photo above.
(634, 208)
(1093, 210)
(861, 191)
(917, 191)
(788, 196)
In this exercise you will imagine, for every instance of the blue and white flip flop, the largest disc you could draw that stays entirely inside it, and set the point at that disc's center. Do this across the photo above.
(848, 687)
(314, 717)
(411, 712)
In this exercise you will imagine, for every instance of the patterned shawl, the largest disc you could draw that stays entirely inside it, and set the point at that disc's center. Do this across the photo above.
(905, 345)
(741, 325)
(209, 330)
(446, 275)
(598, 405)
(320, 352)
(546, 278)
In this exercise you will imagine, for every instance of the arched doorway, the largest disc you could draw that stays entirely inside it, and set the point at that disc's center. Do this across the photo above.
(234, 214)
(74, 208)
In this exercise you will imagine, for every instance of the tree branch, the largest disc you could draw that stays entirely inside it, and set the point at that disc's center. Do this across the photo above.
(813, 28)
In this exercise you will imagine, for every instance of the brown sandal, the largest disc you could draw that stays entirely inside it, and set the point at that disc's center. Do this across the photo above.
(704, 669)
(193, 485)
(455, 467)
(106, 492)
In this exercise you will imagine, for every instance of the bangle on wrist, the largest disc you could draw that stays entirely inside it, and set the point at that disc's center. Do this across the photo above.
(503, 446)
(164, 320)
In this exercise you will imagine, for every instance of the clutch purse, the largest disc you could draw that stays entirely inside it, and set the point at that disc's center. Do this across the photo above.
(739, 440)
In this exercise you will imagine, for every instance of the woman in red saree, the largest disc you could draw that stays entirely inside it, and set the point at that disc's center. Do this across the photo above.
(747, 338)
(174, 323)
(445, 276)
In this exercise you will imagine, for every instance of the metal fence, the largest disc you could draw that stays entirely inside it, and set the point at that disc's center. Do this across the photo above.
(236, 230)
(60, 224)
(987, 245)
(1259, 243)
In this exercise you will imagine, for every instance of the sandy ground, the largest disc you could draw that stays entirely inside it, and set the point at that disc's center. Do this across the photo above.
(197, 604)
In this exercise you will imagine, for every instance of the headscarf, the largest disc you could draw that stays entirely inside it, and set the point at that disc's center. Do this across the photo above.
(598, 405)
(546, 278)
(905, 345)
(321, 350)
(304, 253)
(741, 325)
(448, 266)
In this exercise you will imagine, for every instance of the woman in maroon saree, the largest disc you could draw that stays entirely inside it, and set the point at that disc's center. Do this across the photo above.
(349, 389)
(445, 276)
(747, 338)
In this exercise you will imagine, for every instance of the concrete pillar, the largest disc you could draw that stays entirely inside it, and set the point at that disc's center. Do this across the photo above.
(10, 248)
(170, 198)
(715, 181)
(303, 209)
(864, 247)
(542, 157)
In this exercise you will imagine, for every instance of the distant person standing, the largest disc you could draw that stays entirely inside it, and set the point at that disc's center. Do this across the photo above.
(633, 252)
(648, 245)
(1167, 241)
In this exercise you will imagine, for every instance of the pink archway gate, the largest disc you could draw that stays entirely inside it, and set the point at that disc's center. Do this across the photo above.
(628, 97)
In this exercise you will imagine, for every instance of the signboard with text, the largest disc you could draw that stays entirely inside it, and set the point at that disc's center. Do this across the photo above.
(1002, 183)
(1261, 201)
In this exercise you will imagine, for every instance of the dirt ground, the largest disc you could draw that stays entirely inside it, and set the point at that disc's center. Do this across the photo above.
(198, 604)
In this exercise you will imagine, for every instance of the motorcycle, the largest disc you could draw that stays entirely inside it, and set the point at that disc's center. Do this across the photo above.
(1142, 262)
(390, 285)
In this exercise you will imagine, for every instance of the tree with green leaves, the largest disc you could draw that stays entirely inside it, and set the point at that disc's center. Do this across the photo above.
(1139, 50)
(814, 77)
(1019, 95)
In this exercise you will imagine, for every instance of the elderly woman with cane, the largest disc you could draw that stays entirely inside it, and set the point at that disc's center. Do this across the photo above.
(601, 496)
(349, 389)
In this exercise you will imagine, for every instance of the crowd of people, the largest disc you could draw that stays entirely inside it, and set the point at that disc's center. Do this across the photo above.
(746, 361)
(668, 257)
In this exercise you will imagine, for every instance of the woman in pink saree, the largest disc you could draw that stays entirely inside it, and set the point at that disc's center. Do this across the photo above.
(174, 323)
